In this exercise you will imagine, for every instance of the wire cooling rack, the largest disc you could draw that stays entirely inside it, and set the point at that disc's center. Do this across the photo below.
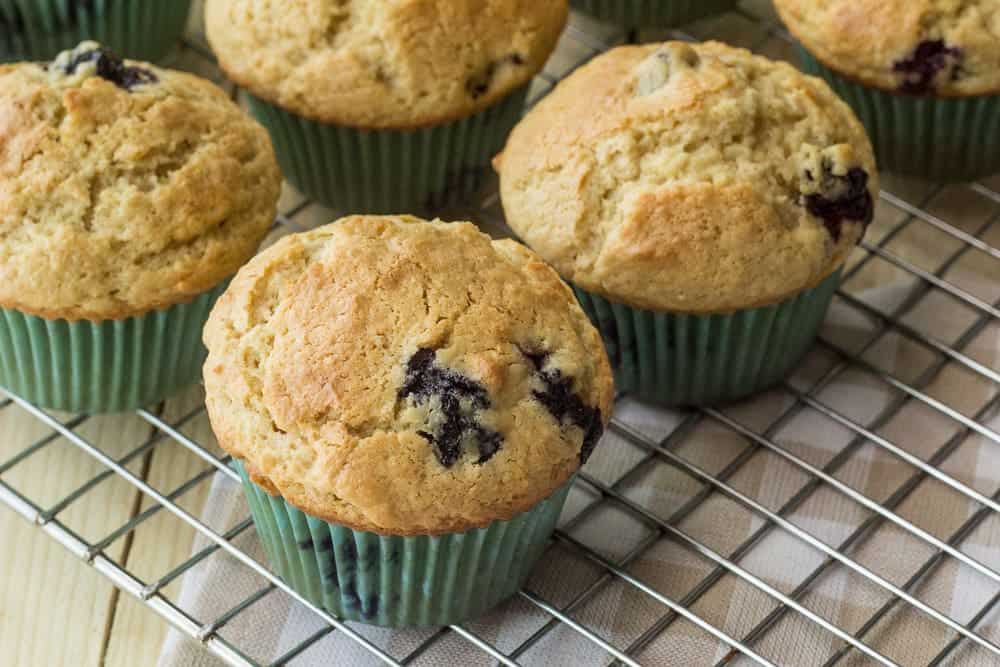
(958, 226)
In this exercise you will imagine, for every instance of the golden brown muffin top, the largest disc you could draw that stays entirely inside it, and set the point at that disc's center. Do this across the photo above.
(383, 63)
(922, 47)
(689, 178)
(124, 187)
(405, 377)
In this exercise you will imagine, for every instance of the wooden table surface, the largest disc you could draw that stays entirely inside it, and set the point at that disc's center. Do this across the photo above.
(56, 610)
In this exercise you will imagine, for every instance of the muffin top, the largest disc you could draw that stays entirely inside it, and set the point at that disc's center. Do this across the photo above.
(405, 377)
(918, 47)
(383, 63)
(124, 187)
(689, 178)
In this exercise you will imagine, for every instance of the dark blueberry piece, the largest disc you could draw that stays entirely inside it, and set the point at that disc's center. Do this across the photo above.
(489, 442)
(111, 68)
(922, 67)
(852, 202)
(478, 84)
(424, 380)
(537, 359)
(564, 405)
(305, 545)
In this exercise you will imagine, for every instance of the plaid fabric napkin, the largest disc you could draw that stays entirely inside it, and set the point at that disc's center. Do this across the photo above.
(622, 614)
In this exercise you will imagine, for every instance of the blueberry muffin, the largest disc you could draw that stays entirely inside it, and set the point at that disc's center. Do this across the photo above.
(702, 200)
(923, 76)
(635, 14)
(408, 402)
(40, 29)
(128, 195)
(384, 106)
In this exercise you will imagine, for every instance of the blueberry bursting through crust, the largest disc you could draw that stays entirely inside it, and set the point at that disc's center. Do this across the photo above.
(111, 68)
(460, 397)
(565, 406)
(922, 67)
(841, 198)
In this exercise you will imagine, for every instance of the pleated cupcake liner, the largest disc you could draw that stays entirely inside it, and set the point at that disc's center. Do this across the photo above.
(950, 139)
(395, 581)
(104, 366)
(675, 360)
(652, 13)
(136, 29)
(388, 171)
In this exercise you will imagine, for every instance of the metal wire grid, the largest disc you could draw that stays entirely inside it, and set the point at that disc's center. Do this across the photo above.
(600, 493)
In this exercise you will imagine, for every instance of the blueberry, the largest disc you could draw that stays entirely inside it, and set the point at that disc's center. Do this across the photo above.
(564, 405)
(841, 198)
(111, 68)
(922, 67)
(478, 84)
(460, 397)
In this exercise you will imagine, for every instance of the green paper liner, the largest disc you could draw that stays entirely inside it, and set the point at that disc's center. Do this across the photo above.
(136, 29)
(652, 13)
(674, 359)
(396, 581)
(388, 171)
(104, 366)
(949, 139)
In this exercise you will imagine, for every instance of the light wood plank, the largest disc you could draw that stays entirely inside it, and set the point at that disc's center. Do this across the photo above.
(163, 542)
(43, 585)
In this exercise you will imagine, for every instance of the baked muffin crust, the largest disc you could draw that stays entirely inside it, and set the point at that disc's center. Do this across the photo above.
(922, 47)
(689, 178)
(405, 377)
(383, 63)
(124, 187)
